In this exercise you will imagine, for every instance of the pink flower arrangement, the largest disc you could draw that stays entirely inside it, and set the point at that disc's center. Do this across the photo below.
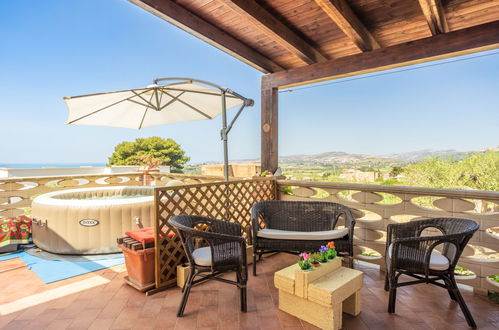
(304, 256)
(304, 261)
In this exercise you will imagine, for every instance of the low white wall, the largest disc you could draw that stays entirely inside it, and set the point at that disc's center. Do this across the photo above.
(57, 171)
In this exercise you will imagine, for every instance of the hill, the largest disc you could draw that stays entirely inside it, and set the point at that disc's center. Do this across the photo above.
(334, 157)
(344, 158)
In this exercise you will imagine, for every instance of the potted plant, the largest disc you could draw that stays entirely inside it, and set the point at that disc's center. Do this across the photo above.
(315, 259)
(323, 254)
(304, 261)
(331, 251)
(149, 165)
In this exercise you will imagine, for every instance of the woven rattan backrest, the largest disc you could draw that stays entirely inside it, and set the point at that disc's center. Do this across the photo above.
(298, 215)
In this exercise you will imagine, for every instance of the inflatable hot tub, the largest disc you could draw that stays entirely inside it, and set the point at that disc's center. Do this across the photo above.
(89, 220)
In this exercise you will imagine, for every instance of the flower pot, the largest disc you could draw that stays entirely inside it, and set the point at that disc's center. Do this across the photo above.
(331, 254)
(316, 265)
(140, 267)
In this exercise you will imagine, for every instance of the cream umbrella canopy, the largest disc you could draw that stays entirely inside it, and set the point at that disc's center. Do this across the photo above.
(182, 99)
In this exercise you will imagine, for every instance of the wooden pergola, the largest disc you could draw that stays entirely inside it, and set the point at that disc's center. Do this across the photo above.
(296, 42)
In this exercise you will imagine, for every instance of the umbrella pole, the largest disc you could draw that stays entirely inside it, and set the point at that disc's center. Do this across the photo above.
(224, 137)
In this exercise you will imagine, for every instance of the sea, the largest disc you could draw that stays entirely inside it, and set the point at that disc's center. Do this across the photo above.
(43, 165)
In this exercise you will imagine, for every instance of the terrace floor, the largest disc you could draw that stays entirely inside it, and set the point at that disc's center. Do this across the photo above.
(101, 300)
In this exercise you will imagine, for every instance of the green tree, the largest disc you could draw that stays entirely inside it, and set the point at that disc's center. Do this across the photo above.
(433, 172)
(396, 170)
(479, 171)
(129, 153)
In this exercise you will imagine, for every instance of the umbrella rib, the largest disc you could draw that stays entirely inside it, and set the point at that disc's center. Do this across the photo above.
(190, 106)
(157, 98)
(137, 102)
(143, 99)
(145, 112)
(172, 100)
(104, 108)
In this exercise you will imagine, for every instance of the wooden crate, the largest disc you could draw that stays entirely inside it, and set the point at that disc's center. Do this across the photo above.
(321, 295)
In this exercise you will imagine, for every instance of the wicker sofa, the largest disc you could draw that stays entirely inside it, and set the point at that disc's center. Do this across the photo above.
(299, 226)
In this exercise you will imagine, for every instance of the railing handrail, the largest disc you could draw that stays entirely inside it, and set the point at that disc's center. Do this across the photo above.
(452, 193)
(78, 176)
(63, 176)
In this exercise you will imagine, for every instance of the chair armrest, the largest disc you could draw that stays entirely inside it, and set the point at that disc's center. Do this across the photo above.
(255, 224)
(349, 220)
(249, 233)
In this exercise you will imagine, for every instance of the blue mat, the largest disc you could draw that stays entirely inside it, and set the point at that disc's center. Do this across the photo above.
(56, 270)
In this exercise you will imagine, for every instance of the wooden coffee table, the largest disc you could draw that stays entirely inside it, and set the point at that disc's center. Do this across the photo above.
(320, 296)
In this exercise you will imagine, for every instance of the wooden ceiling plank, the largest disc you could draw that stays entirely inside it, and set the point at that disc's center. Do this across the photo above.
(456, 43)
(273, 27)
(340, 13)
(433, 11)
(204, 30)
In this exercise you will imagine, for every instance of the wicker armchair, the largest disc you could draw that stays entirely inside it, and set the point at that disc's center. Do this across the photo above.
(226, 251)
(409, 253)
(295, 218)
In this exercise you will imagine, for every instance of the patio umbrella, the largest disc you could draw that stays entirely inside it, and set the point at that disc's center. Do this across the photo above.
(182, 99)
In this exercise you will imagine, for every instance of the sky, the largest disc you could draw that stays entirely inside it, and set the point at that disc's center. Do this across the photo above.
(55, 48)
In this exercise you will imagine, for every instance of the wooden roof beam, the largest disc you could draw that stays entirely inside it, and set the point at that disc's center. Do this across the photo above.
(433, 11)
(273, 27)
(456, 43)
(340, 12)
(189, 22)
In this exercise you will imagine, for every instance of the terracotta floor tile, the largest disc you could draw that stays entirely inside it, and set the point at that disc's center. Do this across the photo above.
(11, 264)
(166, 318)
(73, 310)
(59, 324)
(151, 307)
(16, 324)
(126, 318)
(207, 316)
(113, 308)
(85, 318)
(188, 322)
(101, 324)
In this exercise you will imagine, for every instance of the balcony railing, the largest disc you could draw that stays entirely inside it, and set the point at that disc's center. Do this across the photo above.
(16, 194)
(377, 206)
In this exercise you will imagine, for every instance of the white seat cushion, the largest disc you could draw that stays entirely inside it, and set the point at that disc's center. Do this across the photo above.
(302, 235)
(437, 261)
(202, 256)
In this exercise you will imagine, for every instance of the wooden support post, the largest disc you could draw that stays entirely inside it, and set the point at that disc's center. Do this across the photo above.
(269, 151)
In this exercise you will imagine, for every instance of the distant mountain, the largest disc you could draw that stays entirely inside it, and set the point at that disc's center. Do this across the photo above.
(332, 157)
(339, 157)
